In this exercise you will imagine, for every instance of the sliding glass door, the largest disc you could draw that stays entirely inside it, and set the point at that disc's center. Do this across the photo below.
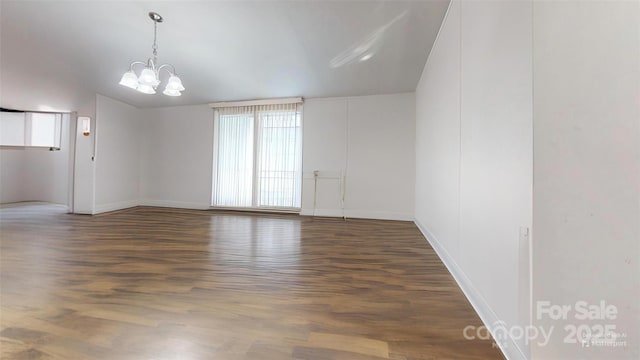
(258, 157)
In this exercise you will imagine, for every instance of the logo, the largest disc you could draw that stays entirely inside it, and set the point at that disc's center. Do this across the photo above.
(585, 324)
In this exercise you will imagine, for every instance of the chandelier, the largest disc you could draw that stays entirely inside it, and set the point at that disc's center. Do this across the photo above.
(149, 78)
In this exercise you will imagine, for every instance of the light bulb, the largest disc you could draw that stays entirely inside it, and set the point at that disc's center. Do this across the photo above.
(148, 77)
(174, 83)
(146, 89)
(170, 92)
(129, 79)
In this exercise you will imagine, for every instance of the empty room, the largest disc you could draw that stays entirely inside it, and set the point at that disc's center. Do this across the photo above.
(348, 180)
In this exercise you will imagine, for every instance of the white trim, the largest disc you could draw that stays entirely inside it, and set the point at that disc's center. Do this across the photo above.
(301, 161)
(321, 212)
(99, 209)
(13, 204)
(223, 104)
(511, 350)
(214, 163)
(173, 204)
(358, 214)
(378, 215)
(20, 147)
(285, 211)
(306, 212)
(73, 118)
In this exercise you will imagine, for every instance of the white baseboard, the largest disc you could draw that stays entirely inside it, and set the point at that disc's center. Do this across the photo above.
(379, 215)
(174, 204)
(102, 208)
(358, 214)
(510, 350)
(322, 212)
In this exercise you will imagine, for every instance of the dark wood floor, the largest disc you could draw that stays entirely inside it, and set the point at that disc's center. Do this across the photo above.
(151, 283)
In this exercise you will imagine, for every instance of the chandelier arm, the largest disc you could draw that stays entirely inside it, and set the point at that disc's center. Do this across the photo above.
(151, 63)
(136, 63)
(164, 66)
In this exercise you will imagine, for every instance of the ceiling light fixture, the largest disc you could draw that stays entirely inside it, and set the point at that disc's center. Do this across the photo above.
(149, 78)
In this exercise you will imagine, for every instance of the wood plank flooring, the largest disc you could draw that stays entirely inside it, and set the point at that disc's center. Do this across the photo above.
(153, 283)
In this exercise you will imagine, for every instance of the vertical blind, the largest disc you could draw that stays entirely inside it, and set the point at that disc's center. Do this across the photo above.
(258, 157)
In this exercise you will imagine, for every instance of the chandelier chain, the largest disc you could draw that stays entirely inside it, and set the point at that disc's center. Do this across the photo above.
(155, 45)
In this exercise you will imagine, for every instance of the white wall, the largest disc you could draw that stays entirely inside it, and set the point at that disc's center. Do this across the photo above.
(380, 171)
(12, 186)
(496, 154)
(84, 169)
(176, 157)
(324, 148)
(369, 139)
(118, 134)
(437, 205)
(46, 173)
(110, 184)
(586, 211)
(474, 155)
(373, 134)
(32, 174)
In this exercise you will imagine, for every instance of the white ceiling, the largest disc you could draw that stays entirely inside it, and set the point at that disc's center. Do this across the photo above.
(56, 55)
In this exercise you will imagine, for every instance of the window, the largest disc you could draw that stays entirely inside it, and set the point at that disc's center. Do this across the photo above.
(258, 157)
(27, 129)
